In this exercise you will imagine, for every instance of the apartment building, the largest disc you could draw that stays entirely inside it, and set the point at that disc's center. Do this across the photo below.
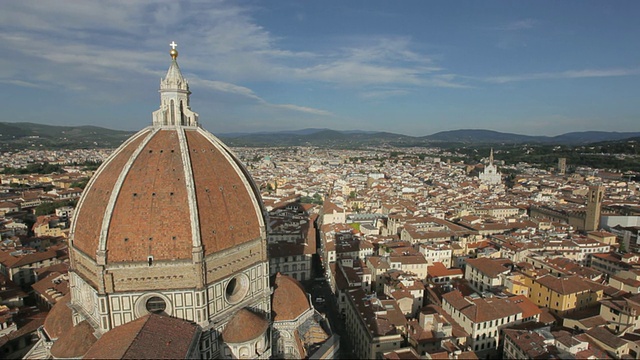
(563, 294)
(612, 262)
(436, 253)
(415, 264)
(483, 318)
(374, 324)
(486, 274)
(621, 313)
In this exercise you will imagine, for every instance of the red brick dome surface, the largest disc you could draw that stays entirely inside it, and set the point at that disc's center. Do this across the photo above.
(289, 299)
(163, 191)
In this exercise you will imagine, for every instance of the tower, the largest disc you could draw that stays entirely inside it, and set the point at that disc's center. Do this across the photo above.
(594, 204)
(562, 166)
(491, 158)
(172, 223)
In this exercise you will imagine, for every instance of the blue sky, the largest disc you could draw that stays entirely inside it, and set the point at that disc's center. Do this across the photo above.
(411, 67)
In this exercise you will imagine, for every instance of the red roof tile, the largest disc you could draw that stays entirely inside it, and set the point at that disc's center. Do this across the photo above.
(75, 342)
(152, 336)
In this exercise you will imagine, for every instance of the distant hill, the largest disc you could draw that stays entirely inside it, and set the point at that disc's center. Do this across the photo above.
(31, 135)
(587, 137)
(350, 139)
(308, 131)
(482, 136)
(324, 138)
(488, 136)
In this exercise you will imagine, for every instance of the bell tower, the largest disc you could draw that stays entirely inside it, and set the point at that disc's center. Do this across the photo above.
(594, 204)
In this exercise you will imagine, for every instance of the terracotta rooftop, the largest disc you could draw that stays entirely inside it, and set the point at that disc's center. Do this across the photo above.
(490, 267)
(527, 306)
(438, 269)
(531, 343)
(605, 336)
(59, 319)
(481, 310)
(74, 342)
(564, 285)
(152, 336)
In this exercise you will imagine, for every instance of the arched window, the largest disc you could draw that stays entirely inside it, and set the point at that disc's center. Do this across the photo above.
(173, 114)
(244, 352)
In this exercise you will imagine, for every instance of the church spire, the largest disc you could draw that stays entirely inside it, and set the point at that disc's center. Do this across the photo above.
(174, 97)
(491, 157)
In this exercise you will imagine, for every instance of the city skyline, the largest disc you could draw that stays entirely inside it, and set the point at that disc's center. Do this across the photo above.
(416, 68)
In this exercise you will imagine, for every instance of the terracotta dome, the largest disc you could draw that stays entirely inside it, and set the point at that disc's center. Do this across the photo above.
(164, 192)
(244, 326)
(289, 299)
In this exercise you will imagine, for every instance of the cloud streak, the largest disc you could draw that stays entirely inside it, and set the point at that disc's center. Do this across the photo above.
(249, 94)
(518, 25)
(569, 74)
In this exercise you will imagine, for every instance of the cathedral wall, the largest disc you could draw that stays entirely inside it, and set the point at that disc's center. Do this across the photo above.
(185, 304)
(222, 264)
(84, 298)
(160, 275)
(257, 298)
(257, 293)
(85, 266)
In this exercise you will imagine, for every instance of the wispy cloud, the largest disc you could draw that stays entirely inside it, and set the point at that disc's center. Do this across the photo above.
(249, 94)
(523, 24)
(21, 83)
(569, 74)
(386, 61)
(113, 51)
(302, 109)
(383, 94)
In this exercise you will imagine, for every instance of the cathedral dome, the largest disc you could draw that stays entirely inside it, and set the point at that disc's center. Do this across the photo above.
(172, 192)
(163, 192)
(170, 224)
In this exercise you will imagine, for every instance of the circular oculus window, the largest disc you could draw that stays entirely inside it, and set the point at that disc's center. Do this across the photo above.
(156, 305)
(237, 288)
(153, 303)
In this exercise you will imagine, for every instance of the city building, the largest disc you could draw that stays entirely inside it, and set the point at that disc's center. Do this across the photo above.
(490, 174)
(563, 294)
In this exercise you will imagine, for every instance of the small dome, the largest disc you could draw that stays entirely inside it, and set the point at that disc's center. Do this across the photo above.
(289, 299)
(244, 326)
